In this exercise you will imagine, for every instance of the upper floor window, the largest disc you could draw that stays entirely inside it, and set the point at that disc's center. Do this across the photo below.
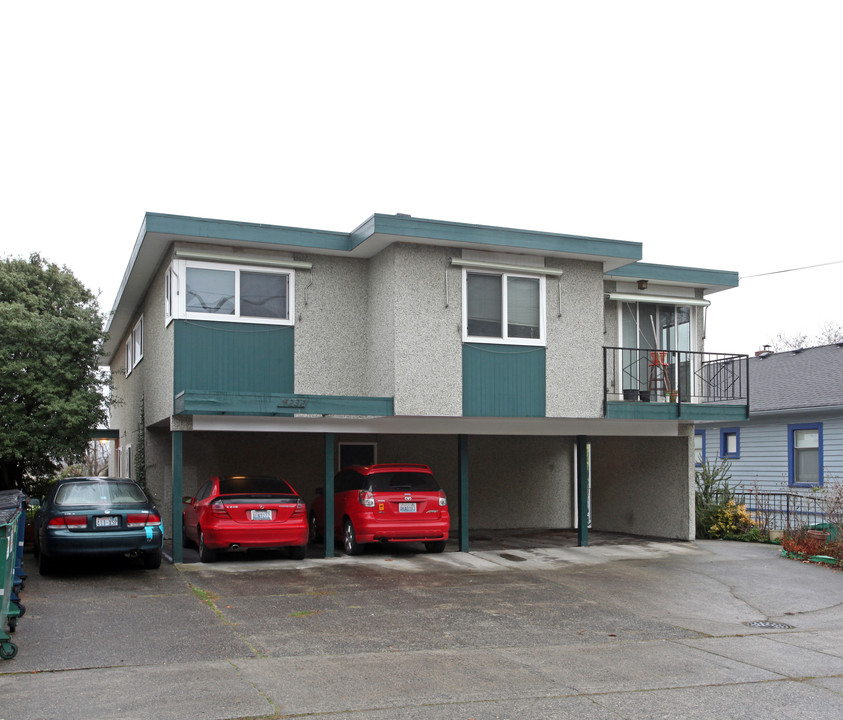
(134, 346)
(805, 454)
(206, 290)
(503, 307)
(730, 443)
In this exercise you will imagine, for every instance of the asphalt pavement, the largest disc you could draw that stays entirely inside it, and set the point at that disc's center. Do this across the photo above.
(524, 626)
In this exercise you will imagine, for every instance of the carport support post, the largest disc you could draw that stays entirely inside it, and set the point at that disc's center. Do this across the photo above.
(329, 495)
(582, 491)
(463, 491)
(178, 461)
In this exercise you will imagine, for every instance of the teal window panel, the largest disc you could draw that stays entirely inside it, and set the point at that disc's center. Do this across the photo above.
(504, 380)
(216, 357)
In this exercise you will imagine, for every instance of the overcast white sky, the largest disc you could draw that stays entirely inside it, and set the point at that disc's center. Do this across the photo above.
(712, 132)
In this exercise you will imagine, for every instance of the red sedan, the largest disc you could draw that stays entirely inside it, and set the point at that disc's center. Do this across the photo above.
(385, 503)
(230, 513)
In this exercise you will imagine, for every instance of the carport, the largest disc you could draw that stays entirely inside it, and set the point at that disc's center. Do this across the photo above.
(500, 473)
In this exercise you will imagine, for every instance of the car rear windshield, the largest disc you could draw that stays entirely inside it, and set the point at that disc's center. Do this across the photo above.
(247, 486)
(99, 493)
(382, 482)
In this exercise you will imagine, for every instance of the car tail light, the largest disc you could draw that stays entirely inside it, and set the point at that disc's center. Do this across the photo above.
(365, 498)
(218, 509)
(443, 499)
(142, 519)
(299, 509)
(76, 521)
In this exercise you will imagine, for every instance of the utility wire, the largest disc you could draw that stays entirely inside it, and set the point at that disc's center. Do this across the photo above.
(778, 272)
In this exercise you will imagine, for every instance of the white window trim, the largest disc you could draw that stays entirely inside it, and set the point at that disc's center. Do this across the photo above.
(134, 346)
(178, 304)
(504, 274)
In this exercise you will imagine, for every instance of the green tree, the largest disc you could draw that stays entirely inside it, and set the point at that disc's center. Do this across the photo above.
(52, 391)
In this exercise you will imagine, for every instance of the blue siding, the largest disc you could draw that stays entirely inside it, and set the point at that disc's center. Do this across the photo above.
(503, 381)
(763, 463)
(213, 357)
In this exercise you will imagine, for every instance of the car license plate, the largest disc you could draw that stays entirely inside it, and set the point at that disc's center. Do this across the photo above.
(261, 514)
(406, 507)
(110, 521)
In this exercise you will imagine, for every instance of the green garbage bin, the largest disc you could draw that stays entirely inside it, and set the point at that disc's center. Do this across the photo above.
(8, 557)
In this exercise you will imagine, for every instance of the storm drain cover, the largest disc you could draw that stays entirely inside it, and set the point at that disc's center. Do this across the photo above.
(769, 625)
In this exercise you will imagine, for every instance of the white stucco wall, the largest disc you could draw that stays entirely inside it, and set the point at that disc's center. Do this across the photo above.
(428, 341)
(575, 341)
(331, 327)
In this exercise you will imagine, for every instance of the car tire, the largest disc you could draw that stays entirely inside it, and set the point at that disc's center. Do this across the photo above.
(298, 552)
(313, 529)
(435, 546)
(206, 555)
(45, 564)
(349, 538)
(152, 560)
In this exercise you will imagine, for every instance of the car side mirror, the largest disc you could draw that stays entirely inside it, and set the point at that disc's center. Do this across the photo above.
(187, 500)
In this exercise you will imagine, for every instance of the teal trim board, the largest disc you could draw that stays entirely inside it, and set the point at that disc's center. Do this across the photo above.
(230, 358)
(503, 380)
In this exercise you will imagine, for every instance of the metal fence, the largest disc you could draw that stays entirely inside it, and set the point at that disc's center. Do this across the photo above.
(782, 511)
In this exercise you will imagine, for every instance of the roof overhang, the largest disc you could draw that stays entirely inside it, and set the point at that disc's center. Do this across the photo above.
(158, 232)
(709, 281)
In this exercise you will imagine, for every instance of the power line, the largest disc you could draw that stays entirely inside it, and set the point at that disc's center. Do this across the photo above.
(778, 272)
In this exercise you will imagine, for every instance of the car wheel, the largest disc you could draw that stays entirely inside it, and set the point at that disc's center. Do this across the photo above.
(45, 564)
(313, 535)
(436, 546)
(298, 552)
(152, 560)
(205, 553)
(349, 538)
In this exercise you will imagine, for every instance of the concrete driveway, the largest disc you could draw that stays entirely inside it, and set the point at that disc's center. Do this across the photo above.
(618, 630)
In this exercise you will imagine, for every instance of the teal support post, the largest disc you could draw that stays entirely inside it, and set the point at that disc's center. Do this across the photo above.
(582, 490)
(329, 495)
(463, 492)
(178, 490)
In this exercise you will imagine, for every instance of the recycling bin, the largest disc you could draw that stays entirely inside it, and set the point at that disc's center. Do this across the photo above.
(9, 611)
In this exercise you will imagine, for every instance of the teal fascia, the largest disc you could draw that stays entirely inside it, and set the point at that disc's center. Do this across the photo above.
(491, 236)
(698, 277)
(695, 412)
(195, 402)
(275, 235)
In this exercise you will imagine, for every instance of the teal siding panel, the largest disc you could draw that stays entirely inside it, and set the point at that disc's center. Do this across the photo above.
(215, 357)
(503, 381)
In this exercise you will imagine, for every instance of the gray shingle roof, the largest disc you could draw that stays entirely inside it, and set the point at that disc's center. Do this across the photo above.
(809, 378)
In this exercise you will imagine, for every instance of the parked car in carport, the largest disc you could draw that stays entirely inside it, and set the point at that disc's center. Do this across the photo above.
(245, 511)
(385, 503)
(85, 516)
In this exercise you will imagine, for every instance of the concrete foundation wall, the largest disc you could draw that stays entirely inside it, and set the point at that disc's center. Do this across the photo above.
(644, 486)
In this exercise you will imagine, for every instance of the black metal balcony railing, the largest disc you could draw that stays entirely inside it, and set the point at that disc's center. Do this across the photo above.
(681, 376)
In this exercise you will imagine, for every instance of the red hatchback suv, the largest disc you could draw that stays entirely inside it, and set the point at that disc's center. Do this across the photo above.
(385, 503)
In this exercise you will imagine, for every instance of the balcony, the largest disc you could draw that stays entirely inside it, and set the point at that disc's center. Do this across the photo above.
(642, 383)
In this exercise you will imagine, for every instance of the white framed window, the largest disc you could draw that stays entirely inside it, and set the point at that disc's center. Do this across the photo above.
(203, 290)
(134, 346)
(503, 307)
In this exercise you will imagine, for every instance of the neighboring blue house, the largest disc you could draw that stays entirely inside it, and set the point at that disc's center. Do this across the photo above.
(500, 357)
(794, 436)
